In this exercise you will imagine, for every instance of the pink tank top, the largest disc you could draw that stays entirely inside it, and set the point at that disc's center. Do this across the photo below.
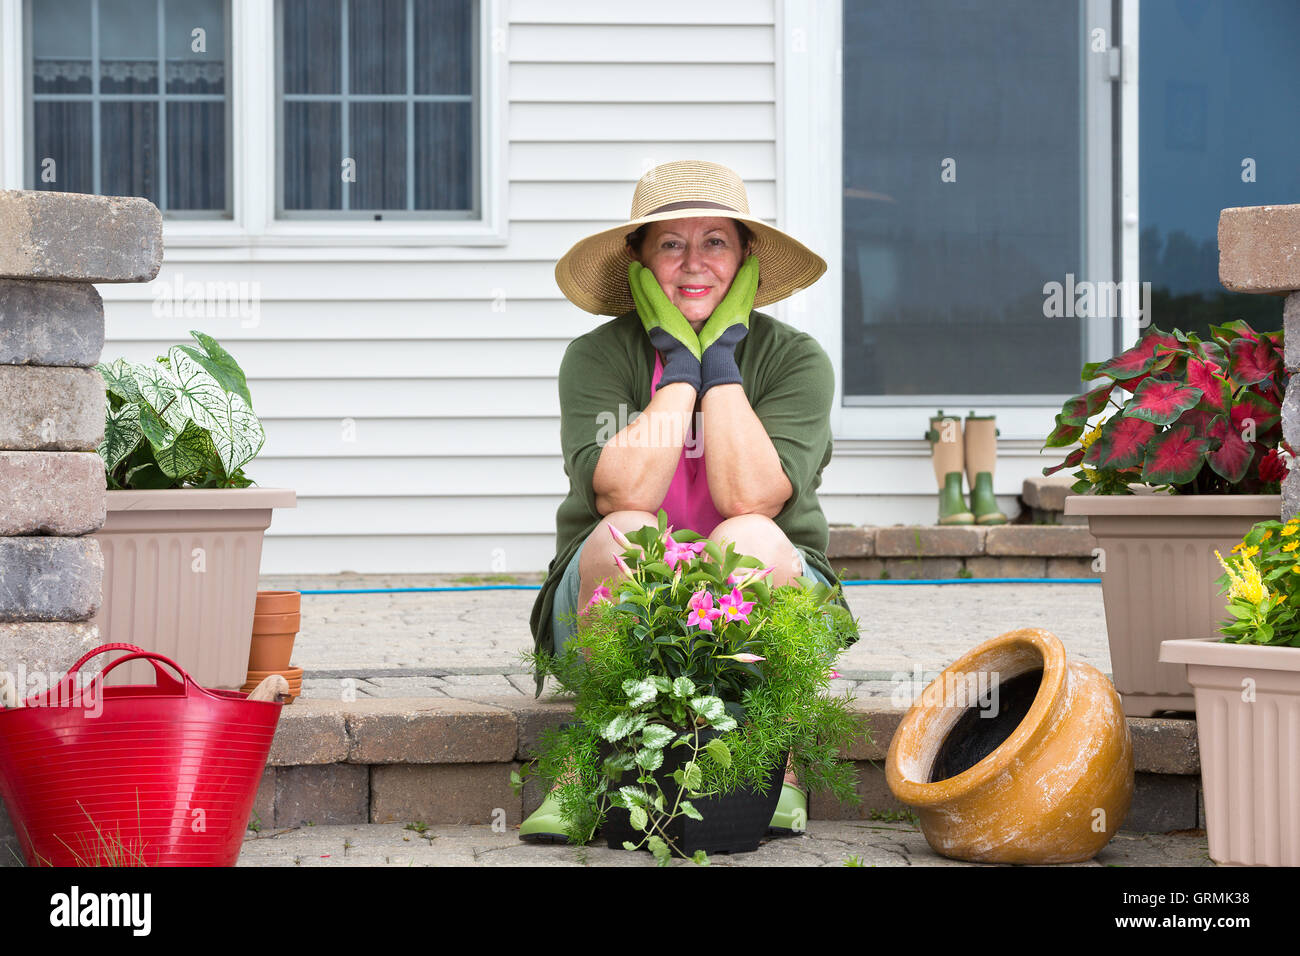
(688, 502)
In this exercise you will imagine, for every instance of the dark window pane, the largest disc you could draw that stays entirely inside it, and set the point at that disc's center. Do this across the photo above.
(443, 156)
(61, 46)
(377, 46)
(128, 46)
(312, 156)
(943, 281)
(379, 145)
(129, 153)
(63, 134)
(190, 70)
(444, 44)
(196, 173)
(1219, 83)
(312, 44)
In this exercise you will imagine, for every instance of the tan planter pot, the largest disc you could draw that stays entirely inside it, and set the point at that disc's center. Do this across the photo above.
(1248, 730)
(1158, 581)
(180, 577)
(1015, 755)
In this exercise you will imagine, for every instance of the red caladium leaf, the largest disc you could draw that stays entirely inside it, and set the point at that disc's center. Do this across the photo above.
(1122, 443)
(1072, 459)
(1174, 458)
(1139, 358)
(1063, 434)
(1198, 420)
(1252, 407)
(1161, 402)
(1229, 331)
(1208, 377)
(1254, 360)
(1233, 456)
(1079, 409)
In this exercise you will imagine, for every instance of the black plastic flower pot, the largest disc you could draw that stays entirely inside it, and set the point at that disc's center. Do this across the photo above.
(733, 822)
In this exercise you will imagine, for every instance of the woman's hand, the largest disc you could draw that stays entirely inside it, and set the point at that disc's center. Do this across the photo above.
(728, 324)
(667, 328)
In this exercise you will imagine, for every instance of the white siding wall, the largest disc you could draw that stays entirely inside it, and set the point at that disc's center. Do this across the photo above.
(412, 404)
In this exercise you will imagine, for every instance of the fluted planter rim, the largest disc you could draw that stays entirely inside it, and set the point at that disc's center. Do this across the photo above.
(933, 724)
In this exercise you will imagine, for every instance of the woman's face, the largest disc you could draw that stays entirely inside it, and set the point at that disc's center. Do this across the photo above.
(694, 261)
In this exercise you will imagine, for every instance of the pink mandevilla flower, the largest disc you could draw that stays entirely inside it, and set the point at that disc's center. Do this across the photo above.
(622, 565)
(703, 613)
(743, 658)
(835, 675)
(600, 594)
(621, 538)
(675, 551)
(734, 607)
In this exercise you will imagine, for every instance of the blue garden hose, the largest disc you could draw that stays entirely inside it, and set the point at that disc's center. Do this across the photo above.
(535, 587)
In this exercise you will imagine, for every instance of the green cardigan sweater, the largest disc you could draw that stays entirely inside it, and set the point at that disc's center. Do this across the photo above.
(788, 380)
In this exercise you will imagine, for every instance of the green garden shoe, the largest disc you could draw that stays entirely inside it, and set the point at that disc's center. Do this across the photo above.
(946, 454)
(791, 816)
(981, 438)
(545, 824)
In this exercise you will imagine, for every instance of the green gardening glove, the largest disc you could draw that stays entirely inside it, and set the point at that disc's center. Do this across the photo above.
(728, 324)
(667, 328)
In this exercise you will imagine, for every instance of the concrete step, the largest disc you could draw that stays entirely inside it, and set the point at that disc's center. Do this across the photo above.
(447, 761)
(825, 843)
(908, 552)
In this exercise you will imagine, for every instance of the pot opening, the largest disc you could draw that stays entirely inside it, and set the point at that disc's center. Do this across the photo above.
(981, 729)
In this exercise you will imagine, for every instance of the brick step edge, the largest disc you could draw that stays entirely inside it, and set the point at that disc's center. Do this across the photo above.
(931, 551)
(434, 761)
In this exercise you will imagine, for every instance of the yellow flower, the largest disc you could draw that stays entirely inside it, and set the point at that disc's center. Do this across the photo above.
(1291, 545)
(1251, 551)
(1266, 535)
(1091, 436)
(1246, 582)
(1295, 569)
(1290, 529)
(1235, 549)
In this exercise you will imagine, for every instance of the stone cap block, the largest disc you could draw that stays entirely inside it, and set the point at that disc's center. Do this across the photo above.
(1259, 248)
(50, 323)
(1165, 745)
(51, 409)
(79, 237)
(51, 492)
(429, 730)
(1040, 540)
(47, 648)
(310, 732)
(847, 541)
(1047, 492)
(929, 541)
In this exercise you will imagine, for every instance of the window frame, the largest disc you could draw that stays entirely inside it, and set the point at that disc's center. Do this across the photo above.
(96, 98)
(408, 99)
(253, 162)
(809, 154)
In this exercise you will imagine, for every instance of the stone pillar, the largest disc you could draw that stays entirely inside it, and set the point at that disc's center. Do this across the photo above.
(1259, 251)
(52, 409)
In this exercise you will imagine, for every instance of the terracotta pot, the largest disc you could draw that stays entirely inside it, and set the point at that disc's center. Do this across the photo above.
(1015, 755)
(180, 577)
(1158, 579)
(274, 631)
(1247, 715)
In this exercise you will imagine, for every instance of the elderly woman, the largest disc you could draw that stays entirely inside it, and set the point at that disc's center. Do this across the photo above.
(734, 429)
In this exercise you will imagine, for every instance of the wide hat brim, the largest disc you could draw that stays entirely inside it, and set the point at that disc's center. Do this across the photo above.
(593, 273)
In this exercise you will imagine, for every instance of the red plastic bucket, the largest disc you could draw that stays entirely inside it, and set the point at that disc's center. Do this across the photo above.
(160, 774)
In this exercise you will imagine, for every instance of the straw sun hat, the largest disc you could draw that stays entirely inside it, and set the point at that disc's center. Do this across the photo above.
(593, 274)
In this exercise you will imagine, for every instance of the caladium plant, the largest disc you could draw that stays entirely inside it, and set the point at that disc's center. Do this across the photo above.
(183, 420)
(1200, 417)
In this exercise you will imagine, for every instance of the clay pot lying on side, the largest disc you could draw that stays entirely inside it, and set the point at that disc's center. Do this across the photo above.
(1014, 755)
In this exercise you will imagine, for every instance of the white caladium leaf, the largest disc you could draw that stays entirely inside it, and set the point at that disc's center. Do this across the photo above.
(119, 379)
(236, 432)
(122, 434)
(157, 389)
(185, 455)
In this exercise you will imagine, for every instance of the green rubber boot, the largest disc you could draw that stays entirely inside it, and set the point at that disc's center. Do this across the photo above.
(947, 453)
(982, 502)
(981, 435)
(545, 824)
(791, 815)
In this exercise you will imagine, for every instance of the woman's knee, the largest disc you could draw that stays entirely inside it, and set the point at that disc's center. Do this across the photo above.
(760, 536)
(598, 551)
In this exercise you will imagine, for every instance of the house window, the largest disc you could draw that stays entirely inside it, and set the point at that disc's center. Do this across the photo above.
(1219, 127)
(131, 98)
(378, 104)
(964, 186)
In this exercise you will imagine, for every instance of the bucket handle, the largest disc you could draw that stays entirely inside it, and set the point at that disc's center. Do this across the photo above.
(162, 678)
(63, 689)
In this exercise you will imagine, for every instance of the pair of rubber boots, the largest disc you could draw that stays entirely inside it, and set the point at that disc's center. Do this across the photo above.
(972, 451)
